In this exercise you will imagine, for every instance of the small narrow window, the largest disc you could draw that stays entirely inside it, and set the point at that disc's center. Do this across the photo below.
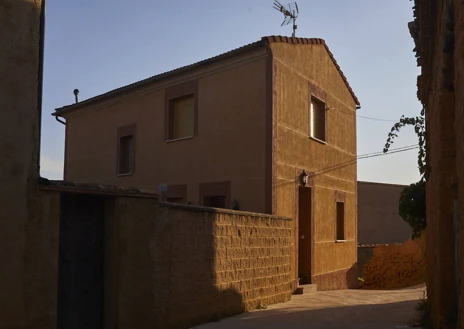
(215, 201)
(126, 155)
(317, 119)
(340, 224)
(182, 117)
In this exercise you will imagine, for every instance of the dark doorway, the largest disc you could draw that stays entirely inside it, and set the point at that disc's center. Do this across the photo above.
(81, 256)
(304, 235)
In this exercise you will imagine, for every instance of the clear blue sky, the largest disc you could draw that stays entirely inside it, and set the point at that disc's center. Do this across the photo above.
(99, 45)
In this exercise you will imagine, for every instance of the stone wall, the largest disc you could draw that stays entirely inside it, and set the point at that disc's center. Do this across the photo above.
(196, 264)
(439, 90)
(396, 265)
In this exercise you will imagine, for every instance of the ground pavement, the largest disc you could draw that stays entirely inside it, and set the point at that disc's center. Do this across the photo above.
(350, 309)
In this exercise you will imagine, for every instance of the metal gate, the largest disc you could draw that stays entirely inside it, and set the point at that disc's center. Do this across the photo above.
(81, 258)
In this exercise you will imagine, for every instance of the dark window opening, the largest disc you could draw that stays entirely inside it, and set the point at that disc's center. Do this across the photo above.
(214, 201)
(126, 155)
(340, 229)
(175, 200)
(317, 119)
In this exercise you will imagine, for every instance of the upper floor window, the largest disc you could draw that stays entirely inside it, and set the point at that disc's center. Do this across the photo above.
(126, 150)
(181, 117)
(318, 120)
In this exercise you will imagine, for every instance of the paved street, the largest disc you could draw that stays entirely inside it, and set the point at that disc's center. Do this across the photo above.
(350, 309)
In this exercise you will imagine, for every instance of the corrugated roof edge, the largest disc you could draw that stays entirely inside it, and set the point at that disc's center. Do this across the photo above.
(246, 48)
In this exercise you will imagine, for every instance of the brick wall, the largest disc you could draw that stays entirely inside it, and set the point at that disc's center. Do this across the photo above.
(198, 264)
(396, 265)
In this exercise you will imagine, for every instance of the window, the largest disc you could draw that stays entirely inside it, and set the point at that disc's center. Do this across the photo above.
(215, 201)
(340, 224)
(126, 155)
(181, 117)
(175, 200)
(317, 119)
(215, 194)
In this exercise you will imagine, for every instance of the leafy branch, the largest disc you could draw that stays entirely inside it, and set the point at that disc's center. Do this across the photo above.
(412, 203)
(419, 128)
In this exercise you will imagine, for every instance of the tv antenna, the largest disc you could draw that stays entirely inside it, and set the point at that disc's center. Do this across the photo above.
(290, 12)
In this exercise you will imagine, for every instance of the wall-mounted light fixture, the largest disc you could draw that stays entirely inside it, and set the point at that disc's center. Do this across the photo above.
(304, 178)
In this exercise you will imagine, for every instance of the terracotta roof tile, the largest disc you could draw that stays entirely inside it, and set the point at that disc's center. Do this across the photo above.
(243, 49)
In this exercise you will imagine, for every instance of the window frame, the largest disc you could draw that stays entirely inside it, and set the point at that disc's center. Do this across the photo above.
(176, 92)
(171, 117)
(215, 189)
(340, 197)
(177, 191)
(337, 237)
(122, 132)
(312, 115)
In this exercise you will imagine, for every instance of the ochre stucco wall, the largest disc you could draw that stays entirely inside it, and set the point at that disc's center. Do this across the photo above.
(379, 221)
(179, 266)
(230, 144)
(296, 67)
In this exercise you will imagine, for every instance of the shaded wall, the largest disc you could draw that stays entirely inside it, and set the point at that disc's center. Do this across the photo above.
(379, 221)
(230, 144)
(437, 92)
(20, 207)
(300, 71)
(181, 265)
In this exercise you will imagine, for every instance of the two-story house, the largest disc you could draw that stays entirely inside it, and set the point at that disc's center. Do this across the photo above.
(269, 127)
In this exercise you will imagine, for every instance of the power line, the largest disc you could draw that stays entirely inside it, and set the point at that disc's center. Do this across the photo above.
(353, 161)
(376, 119)
(395, 149)
(364, 156)
(364, 117)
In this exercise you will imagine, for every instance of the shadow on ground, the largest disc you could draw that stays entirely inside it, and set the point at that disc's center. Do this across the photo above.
(368, 316)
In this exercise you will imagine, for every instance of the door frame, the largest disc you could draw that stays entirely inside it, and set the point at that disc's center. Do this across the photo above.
(310, 191)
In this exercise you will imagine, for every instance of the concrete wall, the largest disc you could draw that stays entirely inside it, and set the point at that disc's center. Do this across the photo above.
(378, 219)
(230, 144)
(365, 254)
(299, 72)
(396, 265)
(179, 266)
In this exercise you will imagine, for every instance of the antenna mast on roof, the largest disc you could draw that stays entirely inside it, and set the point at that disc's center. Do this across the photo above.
(290, 12)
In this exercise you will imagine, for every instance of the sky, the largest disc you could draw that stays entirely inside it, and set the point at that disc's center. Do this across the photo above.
(100, 45)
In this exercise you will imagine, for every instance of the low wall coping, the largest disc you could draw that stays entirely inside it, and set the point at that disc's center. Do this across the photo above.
(362, 245)
(220, 210)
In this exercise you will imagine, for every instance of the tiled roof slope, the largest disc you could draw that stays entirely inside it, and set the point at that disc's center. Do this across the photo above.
(264, 41)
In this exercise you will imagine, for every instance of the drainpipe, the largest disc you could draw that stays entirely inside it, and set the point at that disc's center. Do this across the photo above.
(40, 79)
(57, 118)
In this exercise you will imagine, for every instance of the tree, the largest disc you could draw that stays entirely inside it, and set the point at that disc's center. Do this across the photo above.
(412, 203)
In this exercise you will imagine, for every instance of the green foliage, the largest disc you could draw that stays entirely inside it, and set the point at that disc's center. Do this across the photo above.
(412, 199)
(412, 207)
(419, 128)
